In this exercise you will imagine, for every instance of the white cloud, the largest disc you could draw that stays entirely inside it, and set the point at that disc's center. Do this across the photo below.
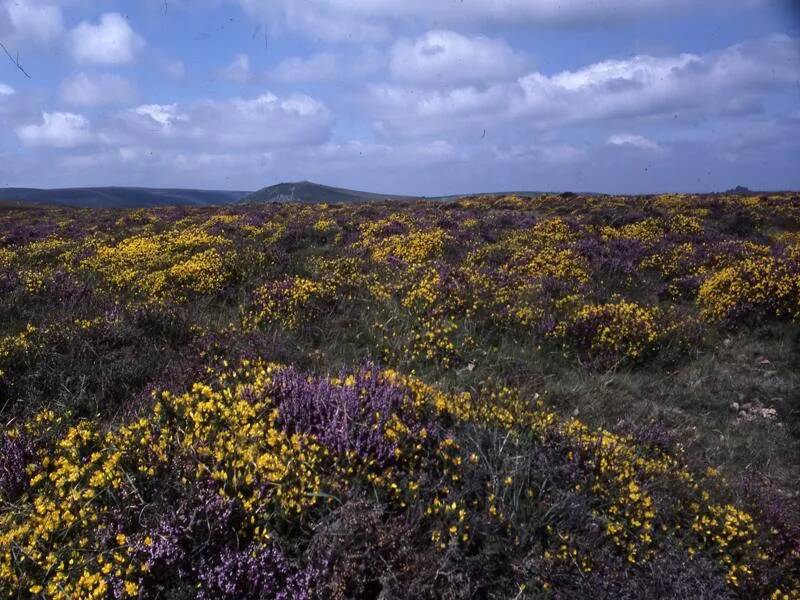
(262, 122)
(646, 85)
(6, 90)
(634, 140)
(30, 21)
(96, 89)
(161, 115)
(403, 111)
(445, 57)
(642, 87)
(238, 71)
(112, 41)
(57, 130)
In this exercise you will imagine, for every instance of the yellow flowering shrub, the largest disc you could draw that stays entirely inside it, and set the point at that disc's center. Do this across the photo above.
(13, 347)
(613, 331)
(648, 231)
(413, 248)
(167, 266)
(291, 302)
(754, 286)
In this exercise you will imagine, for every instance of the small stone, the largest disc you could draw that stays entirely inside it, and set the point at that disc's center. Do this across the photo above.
(742, 414)
(576, 412)
(735, 407)
(770, 414)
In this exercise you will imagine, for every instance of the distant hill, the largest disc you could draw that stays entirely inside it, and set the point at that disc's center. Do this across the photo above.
(739, 190)
(306, 191)
(134, 197)
(119, 197)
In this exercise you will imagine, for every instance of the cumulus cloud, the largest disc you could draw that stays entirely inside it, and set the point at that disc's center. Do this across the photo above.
(57, 130)
(6, 90)
(111, 41)
(25, 22)
(84, 89)
(646, 85)
(634, 140)
(159, 116)
(262, 122)
(445, 57)
(733, 79)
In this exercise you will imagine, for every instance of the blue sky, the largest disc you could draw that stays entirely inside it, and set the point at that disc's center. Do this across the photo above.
(421, 96)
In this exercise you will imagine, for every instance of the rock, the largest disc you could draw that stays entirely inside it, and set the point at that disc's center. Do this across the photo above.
(743, 414)
(739, 190)
(735, 407)
(770, 414)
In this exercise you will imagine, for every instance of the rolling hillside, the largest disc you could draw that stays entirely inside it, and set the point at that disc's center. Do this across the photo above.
(119, 197)
(306, 191)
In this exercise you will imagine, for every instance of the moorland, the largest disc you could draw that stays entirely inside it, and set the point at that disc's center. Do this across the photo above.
(558, 396)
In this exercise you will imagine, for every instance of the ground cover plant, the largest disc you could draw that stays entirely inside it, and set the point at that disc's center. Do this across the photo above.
(500, 397)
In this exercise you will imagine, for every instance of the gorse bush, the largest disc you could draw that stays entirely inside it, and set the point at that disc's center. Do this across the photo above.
(320, 401)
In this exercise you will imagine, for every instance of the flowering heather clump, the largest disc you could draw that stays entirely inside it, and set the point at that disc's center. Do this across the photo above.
(16, 451)
(360, 414)
(253, 573)
(498, 397)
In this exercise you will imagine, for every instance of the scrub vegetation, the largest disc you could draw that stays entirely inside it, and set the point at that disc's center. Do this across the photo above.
(493, 397)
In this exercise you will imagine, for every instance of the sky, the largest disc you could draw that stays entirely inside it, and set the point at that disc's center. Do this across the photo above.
(423, 97)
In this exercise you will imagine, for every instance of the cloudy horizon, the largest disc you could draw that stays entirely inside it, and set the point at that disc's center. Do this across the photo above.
(422, 98)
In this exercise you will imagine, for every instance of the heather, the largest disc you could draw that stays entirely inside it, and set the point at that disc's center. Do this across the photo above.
(500, 397)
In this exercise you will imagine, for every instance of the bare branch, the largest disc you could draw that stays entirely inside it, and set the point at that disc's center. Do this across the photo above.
(14, 60)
